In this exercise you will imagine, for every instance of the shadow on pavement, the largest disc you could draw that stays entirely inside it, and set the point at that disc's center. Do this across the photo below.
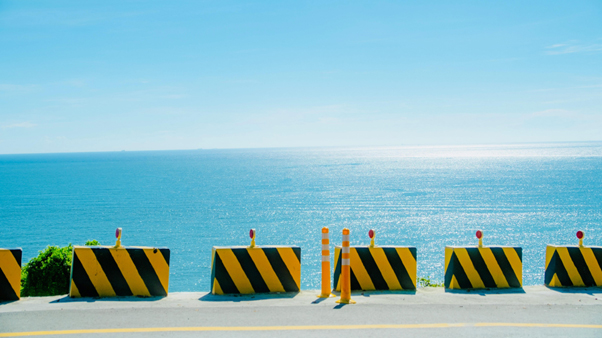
(592, 290)
(339, 306)
(484, 292)
(384, 292)
(246, 298)
(67, 299)
(6, 302)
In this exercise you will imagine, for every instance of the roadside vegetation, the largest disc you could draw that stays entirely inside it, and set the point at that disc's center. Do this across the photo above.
(426, 282)
(48, 274)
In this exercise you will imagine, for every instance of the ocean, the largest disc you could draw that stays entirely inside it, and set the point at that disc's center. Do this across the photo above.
(526, 195)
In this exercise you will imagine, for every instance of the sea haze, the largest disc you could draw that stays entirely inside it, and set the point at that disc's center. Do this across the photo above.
(525, 195)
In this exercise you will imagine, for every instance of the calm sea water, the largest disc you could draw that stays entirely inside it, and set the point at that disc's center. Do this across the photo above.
(428, 197)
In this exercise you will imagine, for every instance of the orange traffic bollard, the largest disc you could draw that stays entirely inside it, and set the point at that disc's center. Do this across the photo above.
(325, 264)
(345, 271)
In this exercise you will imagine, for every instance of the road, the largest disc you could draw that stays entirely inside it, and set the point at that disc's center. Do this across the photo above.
(536, 311)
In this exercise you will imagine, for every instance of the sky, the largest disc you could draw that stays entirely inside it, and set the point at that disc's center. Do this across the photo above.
(79, 76)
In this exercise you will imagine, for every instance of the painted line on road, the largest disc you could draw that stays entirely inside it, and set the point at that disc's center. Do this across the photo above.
(292, 328)
(581, 326)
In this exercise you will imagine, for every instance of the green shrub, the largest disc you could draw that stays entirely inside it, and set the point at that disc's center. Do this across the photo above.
(48, 274)
(426, 282)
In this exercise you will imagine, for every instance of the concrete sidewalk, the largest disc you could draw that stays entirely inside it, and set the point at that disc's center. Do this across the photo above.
(534, 311)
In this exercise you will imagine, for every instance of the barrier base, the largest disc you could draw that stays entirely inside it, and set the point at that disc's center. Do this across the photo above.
(343, 301)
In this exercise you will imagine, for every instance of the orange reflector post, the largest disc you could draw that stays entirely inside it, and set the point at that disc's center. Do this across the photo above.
(345, 271)
(325, 264)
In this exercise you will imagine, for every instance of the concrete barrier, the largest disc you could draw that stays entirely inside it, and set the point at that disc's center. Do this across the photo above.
(104, 271)
(246, 270)
(124, 271)
(378, 268)
(573, 266)
(485, 267)
(10, 274)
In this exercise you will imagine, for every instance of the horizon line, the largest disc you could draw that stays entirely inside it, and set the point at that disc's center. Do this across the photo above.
(312, 147)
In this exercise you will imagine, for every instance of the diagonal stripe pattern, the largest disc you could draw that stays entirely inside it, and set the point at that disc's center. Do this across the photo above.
(379, 268)
(264, 269)
(573, 266)
(480, 268)
(124, 271)
(10, 274)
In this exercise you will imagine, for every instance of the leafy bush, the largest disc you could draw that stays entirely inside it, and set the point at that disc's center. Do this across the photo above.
(426, 282)
(48, 274)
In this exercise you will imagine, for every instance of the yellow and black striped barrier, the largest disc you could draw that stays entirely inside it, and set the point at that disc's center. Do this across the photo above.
(573, 265)
(483, 267)
(99, 271)
(255, 269)
(378, 268)
(10, 274)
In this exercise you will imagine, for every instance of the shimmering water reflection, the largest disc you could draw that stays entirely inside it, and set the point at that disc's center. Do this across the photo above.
(428, 197)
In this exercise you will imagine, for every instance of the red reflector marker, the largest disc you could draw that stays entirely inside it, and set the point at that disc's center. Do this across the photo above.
(479, 234)
(580, 234)
(371, 233)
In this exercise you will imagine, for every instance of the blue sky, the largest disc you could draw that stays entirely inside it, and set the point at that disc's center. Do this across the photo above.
(152, 75)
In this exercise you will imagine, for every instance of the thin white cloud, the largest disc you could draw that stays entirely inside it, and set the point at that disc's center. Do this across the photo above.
(573, 47)
(26, 124)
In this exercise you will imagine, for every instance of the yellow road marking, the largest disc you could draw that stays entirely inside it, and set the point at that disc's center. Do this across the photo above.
(297, 328)
(574, 326)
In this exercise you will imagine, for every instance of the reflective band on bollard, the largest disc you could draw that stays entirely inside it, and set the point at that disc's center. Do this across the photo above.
(325, 264)
(345, 271)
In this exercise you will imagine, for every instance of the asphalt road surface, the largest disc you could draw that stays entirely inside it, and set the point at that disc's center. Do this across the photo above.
(535, 311)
